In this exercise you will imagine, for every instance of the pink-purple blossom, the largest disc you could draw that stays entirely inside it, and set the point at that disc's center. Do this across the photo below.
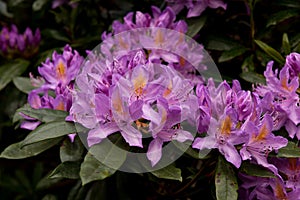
(195, 7)
(57, 77)
(14, 44)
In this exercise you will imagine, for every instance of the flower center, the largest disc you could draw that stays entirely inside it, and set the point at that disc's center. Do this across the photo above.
(61, 70)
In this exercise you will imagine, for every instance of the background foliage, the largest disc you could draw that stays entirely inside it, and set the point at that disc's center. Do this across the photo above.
(241, 40)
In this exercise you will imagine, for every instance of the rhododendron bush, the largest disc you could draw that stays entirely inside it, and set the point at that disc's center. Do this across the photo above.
(174, 99)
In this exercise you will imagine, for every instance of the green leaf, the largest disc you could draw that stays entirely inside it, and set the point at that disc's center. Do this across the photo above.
(71, 151)
(295, 40)
(49, 197)
(43, 115)
(286, 44)
(195, 25)
(221, 43)
(46, 182)
(169, 172)
(3, 10)
(226, 181)
(256, 170)
(248, 64)
(281, 16)
(16, 151)
(92, 169)
(23, 84)
(48, 131)
(52, 33)
(253, 77)
(67, 169)
(109, 153)
(291, 150)
(38, 4)
(232, 53)
(288, 3)
(271, 52)
(11, 70)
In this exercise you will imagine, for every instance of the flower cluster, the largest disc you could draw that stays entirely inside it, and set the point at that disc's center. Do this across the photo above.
(143, 82)
(162, 36)
(13, 44)
(277, 188)
(195, 7)
(135, 97)
(235, 112)
(53, 88)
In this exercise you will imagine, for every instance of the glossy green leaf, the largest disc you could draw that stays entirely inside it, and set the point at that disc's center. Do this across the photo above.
(67, 169)
(248, 64)
(23, 84)
(281, 16)
(290, 151)
(16, 151)
(288, 3)
(109, 153)
(12, 70)
(55, 35)
(71, 151)
(225, 181)
(3, 10)
(295, 40)
(47, 182)
(256, 170)
(38, 4)
(271, 52)
(253, 77)
(48, 131)
(286, 44)
(195, 25)
(43, 115)
(49, 197)
(169, 172)
(232, 53)
(92, 169)
(221, 43)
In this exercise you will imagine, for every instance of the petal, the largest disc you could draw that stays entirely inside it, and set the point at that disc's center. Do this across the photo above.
(182, 136)
(72, 137)
(262, 160)
(205, 143)
(102, 131)
(150, 114)
(132, 136)
(30, 125)
(154, 152)
(135, 109)
(231, 154)
(245, 154)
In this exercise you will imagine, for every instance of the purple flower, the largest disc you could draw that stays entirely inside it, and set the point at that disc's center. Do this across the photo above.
(204, 110)
(253, 187)
(221, 114)
(13, 44)
(160, 35)
(57, 77)
(62, 69)
(164, 131)
(195, 8)
(281, 94)
(134, 97)
(292, 62)
(261, 142)
(223, 133)
(58, 3)
(290, 167)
